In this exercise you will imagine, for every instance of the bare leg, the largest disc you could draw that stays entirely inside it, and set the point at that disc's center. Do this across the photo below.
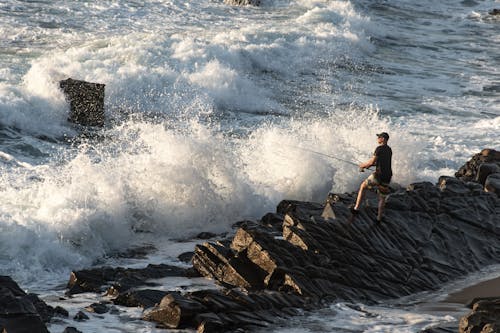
(381, 206)
(361, 194)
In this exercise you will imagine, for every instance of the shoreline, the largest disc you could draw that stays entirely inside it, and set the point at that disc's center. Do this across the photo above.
(488, 288)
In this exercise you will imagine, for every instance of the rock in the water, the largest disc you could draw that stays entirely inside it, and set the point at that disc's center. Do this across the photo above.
(95, 280)
(484, 317)
(71, 329)
(145, 298)
(175, 311)
(86, 102)
(17, 311)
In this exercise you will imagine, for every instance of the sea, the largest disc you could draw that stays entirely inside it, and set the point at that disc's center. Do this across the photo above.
(214, 114)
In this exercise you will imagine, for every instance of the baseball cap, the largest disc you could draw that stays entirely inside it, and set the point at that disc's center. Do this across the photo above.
(383, 135)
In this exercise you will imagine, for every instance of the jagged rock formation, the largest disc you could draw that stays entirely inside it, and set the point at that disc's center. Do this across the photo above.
(86, 102)
(483, 168)
(433, 233)
(306, 255)
(484, 317)
(20, 312)
(119, 279)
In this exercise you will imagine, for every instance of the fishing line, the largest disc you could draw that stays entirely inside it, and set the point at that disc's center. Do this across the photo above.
(322, 154)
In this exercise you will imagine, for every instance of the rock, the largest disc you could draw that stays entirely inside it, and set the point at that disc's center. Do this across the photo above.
(94, 280)
(98, 308)
(71, 329)
(494, 12)
(175, 311)
(469, 171)
(433, 234)
(186, 256)
(484, 317)
(17, 311)
(485, 170)
(61, 312)
(86, 102)
(144, 298)
(80, 316)
(205, 235)
(492, 184)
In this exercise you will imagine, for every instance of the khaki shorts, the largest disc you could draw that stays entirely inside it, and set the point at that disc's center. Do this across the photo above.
(382, 188)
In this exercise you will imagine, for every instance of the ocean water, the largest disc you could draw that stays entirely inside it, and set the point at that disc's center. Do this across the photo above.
(215, 113)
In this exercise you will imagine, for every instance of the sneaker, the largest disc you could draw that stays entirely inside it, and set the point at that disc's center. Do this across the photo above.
(353, 210)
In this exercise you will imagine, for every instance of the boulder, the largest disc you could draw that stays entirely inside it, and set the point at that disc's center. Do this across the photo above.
(469, 171)
(484, 317)
(122, 279)
(17, 311)
(86, 101)
(492, 183)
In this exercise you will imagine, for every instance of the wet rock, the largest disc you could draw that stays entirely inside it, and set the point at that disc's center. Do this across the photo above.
(494, 12)
(186, 256)
(205, 235)
(80, 316)
(144, 298)
(61, 312)
(86, 102)
(17, 311)
(71, 329)
(484, 317)
(98, 308)
(95, 280)
(224, 310)
(175, 311)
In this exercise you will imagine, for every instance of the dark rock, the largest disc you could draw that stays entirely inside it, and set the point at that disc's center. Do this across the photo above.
(86, 102)
(492, 184)
(80, 316)
(175, 311)
(469, 171)
(98, 308)
(17, 311)
(45, 311)
(205, 235)
(485, 170)
(61, 312)
(145, 298)
(494, 11)
(94, 280)
(139, 252)
(484, 317)
(70, 329)
(186, 256)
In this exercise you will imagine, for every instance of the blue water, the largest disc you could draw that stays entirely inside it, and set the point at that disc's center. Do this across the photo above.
(212, 110)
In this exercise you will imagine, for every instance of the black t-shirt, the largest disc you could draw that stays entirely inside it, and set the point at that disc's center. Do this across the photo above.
(383, 169)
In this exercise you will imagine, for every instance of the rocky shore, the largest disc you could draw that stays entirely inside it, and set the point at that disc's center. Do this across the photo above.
(306, 255)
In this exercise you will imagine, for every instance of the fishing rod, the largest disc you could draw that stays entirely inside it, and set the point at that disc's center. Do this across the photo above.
(326, 155)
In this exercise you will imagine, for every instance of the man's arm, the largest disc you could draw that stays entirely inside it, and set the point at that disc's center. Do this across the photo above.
(372, 161)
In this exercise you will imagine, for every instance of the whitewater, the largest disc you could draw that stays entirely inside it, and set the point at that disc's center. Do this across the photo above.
(215, 113)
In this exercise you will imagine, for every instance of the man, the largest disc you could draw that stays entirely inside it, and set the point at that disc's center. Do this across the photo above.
(380, 178)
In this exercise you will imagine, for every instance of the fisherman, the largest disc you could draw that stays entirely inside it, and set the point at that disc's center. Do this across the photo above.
(380, 178)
